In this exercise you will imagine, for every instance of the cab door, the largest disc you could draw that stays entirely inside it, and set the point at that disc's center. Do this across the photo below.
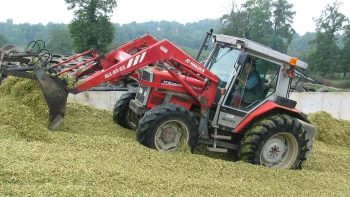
(255, 82)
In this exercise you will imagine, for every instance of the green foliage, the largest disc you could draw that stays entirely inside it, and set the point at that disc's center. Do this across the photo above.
(251, 20)
(193, 53)
(300, 45)
(345, 54)
(60, 41)
(282, 25)
(21, 34)
(2, 40)
(188, 35)
(331, 20)
(324, 55)
(263, 21)
(91, 26)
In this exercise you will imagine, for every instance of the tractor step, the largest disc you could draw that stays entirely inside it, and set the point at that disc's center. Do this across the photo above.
(219, 150)
(221, 137)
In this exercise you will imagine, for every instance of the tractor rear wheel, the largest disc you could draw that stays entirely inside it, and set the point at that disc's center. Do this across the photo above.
(2, 77)
(168, 128)
(277, 141)
(122, 114)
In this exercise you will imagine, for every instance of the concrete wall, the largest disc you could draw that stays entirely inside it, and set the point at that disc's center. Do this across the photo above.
(337, 104)
(100, 100)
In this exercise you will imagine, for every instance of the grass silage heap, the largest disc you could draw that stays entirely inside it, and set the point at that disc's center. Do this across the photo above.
(90, 155)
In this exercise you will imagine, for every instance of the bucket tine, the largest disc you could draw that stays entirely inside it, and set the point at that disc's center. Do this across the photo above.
(55, 94)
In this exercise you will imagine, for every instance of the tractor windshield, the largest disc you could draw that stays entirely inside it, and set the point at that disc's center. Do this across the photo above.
(223, 61)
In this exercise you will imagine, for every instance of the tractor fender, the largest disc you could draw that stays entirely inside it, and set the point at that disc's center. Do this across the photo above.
(268, 108)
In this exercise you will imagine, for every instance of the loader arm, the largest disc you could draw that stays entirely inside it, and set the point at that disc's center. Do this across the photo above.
(152, 52)
(117, 65)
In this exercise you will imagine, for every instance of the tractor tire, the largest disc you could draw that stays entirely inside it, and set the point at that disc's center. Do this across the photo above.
(168, 128)
(122, 114)
(2, 77)
(277, 141)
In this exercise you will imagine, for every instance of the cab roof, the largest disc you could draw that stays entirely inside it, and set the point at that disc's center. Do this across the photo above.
(259, 48)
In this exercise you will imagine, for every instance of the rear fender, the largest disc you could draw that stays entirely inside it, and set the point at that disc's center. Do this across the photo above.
(265, 109)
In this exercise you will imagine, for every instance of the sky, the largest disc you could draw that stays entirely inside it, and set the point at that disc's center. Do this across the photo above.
(44, 11)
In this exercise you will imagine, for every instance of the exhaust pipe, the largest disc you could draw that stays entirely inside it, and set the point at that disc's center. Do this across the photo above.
(55, 94)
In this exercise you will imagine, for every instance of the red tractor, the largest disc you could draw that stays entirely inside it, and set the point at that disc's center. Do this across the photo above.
(237, 100)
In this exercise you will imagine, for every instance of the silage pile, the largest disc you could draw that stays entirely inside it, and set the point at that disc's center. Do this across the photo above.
(90, 155)
(330, 130)
(23, 111)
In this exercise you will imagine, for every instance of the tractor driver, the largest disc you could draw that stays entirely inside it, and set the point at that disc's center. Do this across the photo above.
(253, 88)
(249, 87)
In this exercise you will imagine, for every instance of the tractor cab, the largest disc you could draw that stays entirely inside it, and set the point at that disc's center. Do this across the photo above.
(250, 75)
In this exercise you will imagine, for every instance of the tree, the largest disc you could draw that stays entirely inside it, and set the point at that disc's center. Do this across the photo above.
(91, 26)
(259, 21)
(250, 20)
(60, 41)
(263, 21)
(282, 25)
(324, 55)
(344, 54)
(2, 40)
(331, 20)
(300, 45)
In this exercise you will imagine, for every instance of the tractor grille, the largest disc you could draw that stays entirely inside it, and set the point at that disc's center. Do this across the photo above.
(144, 91)
(141, 97)
(146, 75)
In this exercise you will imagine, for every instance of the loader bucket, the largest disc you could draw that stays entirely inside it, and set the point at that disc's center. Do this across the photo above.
(55, 94)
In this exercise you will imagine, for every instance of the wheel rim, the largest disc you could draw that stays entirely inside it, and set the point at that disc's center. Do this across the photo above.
(170, 136)
(279, 151)
(132, 119)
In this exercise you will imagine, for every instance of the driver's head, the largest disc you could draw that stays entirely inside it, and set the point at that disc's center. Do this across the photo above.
(250, 65)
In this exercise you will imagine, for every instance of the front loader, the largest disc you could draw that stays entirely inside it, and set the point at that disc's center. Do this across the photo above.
(180, 102)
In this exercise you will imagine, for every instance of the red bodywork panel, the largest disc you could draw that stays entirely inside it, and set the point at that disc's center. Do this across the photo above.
(165, 81)
(146, 51)
(263, 109)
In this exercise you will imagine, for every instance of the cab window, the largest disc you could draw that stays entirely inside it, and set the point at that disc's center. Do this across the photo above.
(256, 81)
(223, 61)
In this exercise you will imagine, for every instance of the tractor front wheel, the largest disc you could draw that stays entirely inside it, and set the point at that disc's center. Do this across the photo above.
(276, 141)
(168, 128)
(123, 115)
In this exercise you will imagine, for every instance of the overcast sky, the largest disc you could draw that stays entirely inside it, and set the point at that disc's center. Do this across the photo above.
(44, 11)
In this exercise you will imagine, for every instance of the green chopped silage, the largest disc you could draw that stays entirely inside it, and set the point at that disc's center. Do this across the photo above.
(23, 110)
(91, 156)
(330, 130)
